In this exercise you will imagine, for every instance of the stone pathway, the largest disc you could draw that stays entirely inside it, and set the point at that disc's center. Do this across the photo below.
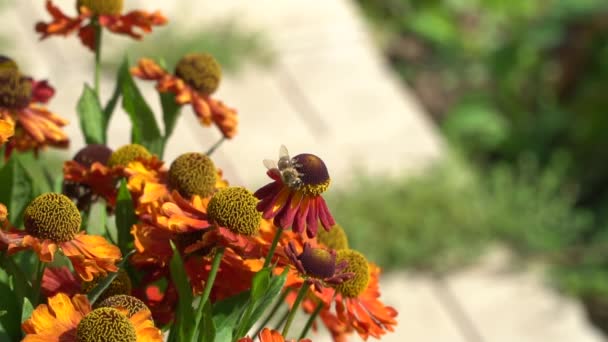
(329, 93)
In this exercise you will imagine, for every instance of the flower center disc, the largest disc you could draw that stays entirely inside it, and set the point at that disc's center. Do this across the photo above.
(108, 7)
(134, 305)
(93, 153)
(314, 175)
(15, 90)
(121, 285)
(200, 71)
(335, 238)
(105, 324)
(235, 208)
(193, 174)
(318, 262)
(128, 153)
(358, 265)
(52, 217)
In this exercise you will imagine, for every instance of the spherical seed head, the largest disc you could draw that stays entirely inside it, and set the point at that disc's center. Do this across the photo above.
(128, 153)
(121, 285)
(52, 217)
(15, 90)
(201, 71)
(335, 238)
(93, 153)
(358, 265)
(235, 208)
(7, 63)
(313, 174)
(193, 174)
(105, 324)
(107, 7)
(318, 262)
(134, 305)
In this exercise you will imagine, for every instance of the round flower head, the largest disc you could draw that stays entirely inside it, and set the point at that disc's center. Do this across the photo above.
(234, 208)
(52, 217)
(131, 304)
(128, 153)
(294, 198)
(193, 174)
(318, 265)
(107, 322)
(111, 7)
(93, 153)
(15, 90)
(335, 238)
(121, 285)
(200, 71)
(358, 265)
(7, 63)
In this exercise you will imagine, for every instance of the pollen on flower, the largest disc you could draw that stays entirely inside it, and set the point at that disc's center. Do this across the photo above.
(193, 174)
(52, 217)
(318, 262)
(105, 324)
(358, 265)
(128, 153)
(235, 208)
(93, 153)
(200, 71)
(121, 285)
(108, 7)
(15, 90)
(130, 303)
(335, 238)
(313, 174)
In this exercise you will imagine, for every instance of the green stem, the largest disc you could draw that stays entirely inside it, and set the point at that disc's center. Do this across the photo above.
(273, 246)
(98, 31)
(282, 320)
(311, 319)
(37, 283)
(273, 311)
(211, 278)
(215, 146)
(295, 307)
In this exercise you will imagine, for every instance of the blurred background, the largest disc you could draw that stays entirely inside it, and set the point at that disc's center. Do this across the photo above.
(466, 140)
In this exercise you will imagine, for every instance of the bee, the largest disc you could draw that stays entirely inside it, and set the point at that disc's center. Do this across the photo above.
(287, 167)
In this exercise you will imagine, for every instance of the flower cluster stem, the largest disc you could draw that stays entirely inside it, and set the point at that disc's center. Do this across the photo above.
(211, 278)
(98, 31)
(215, 146)
(273, 311)
(273, 246)
(311, 320)
(295, 307)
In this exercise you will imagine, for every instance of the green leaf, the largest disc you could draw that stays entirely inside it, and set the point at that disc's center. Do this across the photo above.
(125, 216)
(145, 130)
(103, 285)
(171, 111)
(26, 309)
(10, 326)
(226, 314)
(98, 218)
(207, 330)
(184, 316)
(92, 117)
(264, 289)
(15, 189)
(112, 102)
(35, 172)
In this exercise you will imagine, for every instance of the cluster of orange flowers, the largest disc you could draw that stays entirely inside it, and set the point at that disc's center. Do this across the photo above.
(185, 207)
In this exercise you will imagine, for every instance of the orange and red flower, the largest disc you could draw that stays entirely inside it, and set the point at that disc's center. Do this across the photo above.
(52, 223)
(268, 335)
(133, 24)
(66, 319)
(294, 198)
(186, 91)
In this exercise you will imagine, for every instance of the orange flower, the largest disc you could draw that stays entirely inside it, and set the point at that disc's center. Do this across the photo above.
(268, 335)
(294, 199)
(147, 181)
(21, 100)
(189, 87)
(70, 320)
(52, 223)
(133, 24)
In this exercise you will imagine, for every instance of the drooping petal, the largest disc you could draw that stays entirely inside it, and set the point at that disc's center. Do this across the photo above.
(91, 255)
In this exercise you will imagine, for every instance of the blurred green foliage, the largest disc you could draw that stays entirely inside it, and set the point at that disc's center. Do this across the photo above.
(443, 218)
(507, 79)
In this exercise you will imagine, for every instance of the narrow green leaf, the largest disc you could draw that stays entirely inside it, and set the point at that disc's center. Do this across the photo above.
(15, 189)
(98, 218)
(11, 326)
(112, 102)
(185, 313)
(144, 129)
(35, 172)
(207, 329)
(226, 314)
(26, 309)
(171, 112)
(92, 117)
(125, 217)
(103, 285)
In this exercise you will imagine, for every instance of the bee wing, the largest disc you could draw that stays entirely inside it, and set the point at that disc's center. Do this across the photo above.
(283, 152)
(270, 164)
